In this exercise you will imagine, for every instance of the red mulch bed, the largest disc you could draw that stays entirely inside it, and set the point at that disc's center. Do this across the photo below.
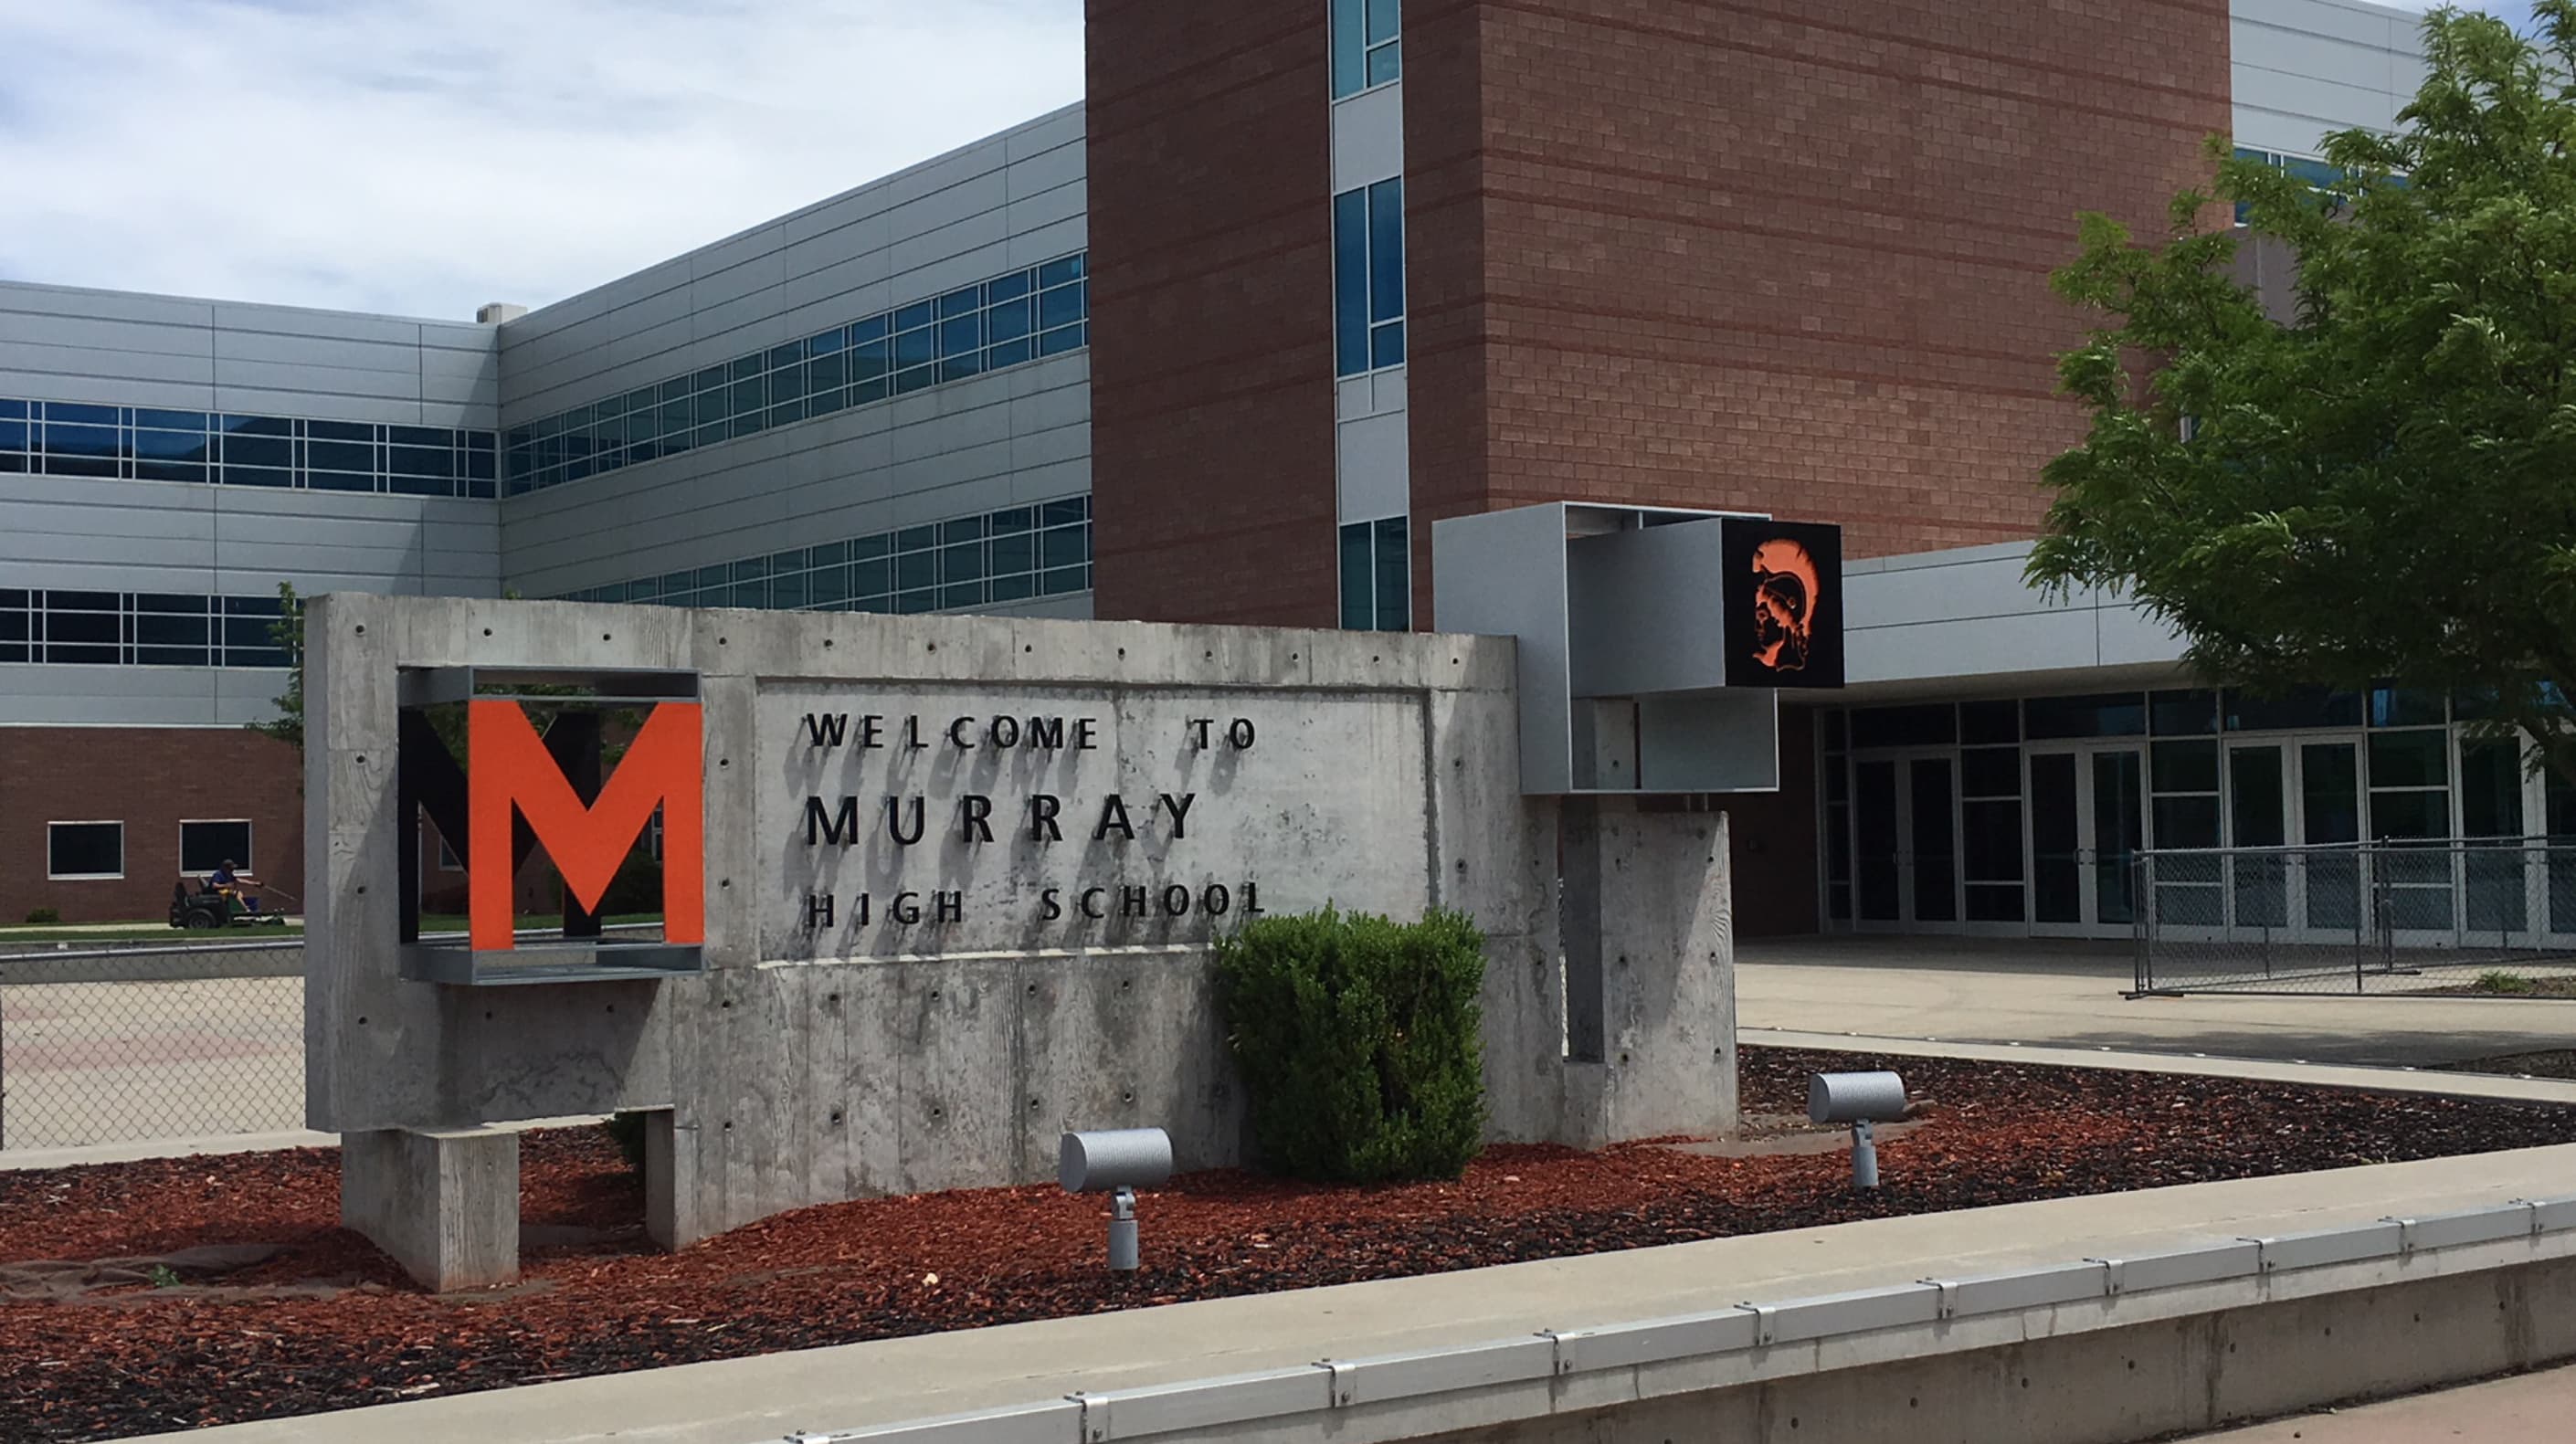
(328, 1323)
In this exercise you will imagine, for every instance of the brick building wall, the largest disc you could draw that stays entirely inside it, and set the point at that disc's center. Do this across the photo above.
(1782, 255)
(1211, 311)
(150, 779)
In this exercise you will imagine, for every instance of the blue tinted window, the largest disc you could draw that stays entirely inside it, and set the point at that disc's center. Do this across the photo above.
(1386, 250)
(915, 316)
(914, 348)
(1382, 20)
(1008, 321)
(1359, 579)
(827, 343)
(339, 431)
(82, 415)
(961, 303)
(1010, 287)
(1350, 284)
(1061, 270)
(1067, 338)
(1060, 307)
(171, 420)
(961, 336)
(871, 329)
(787, 355)
(1394, 576)
(1385, 63)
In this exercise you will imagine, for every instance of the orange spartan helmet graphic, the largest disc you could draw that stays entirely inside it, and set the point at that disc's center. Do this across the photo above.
(1786, 593)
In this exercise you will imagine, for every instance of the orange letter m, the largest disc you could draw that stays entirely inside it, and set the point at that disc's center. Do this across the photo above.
(509, 770)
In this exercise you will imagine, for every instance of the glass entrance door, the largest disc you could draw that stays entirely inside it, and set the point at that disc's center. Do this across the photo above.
(2087, 822)
(2330, 816)
(2258, 817)
(1905, 843)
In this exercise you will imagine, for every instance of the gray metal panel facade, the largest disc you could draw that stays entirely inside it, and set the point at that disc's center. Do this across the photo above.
(2305, 67)
(963, 447)
(96, 534)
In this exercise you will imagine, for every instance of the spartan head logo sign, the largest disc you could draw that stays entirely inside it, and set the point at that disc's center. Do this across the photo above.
(1786, 593)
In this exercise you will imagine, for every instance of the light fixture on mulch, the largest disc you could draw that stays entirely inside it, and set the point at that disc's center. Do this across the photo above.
(1117, 1161)
(1859, 1099)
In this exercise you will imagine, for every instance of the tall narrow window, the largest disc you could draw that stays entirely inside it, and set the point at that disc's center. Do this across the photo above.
(1367, 48)
(1368, 277)
(1377, 576)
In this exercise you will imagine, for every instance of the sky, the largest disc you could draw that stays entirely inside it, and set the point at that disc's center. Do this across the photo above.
(421, 157)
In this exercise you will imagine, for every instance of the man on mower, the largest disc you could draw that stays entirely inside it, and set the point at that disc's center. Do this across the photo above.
(227, 881)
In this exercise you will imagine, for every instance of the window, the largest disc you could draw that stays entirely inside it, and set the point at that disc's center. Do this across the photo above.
(1368, 278)
(205, 846)
(66, 438)
(1010, 555)
(82, 850)
(2115, 714)
(1367, 46)
(1377, 576)
(1041, 310)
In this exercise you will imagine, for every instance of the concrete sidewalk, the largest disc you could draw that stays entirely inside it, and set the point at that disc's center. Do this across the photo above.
(2068, 994)
(2524, 1409)
(735, 1401)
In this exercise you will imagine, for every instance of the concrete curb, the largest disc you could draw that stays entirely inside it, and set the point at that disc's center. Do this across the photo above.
(2492, 1087)
(1936, 1315)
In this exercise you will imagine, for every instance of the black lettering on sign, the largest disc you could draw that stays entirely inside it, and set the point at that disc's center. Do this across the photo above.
(907, 908)
(1179, 808)
(948, 907)
(1131, 901)
(872, 731)
(1042, 811)
(1046, 732)
(975, 808)
(912, 734)
(859, 914)
(1216, 900)
(1113, 813)
(831, 731)
(957, 731)
(1239, 732)
(1085, 737)
(1176, 900)
(840, 829)
(818, 910)
(894, 821)
(1199, 731)
(1252, 899)
(1005, 732)
(1090, 904)
(1051, 904)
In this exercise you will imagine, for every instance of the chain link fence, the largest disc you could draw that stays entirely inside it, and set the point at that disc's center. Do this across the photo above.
(2391, 917)
(114, 1045)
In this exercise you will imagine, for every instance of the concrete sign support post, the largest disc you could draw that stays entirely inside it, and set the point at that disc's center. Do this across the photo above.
(959, 883)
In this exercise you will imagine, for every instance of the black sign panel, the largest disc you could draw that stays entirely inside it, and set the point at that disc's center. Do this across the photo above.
(1784, 603)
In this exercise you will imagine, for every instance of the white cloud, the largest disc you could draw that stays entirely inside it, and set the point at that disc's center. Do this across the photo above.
(422, 156)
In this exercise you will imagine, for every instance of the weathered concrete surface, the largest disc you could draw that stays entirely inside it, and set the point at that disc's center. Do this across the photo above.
(1648, 933)
(2523, 1409)
(825, 1057)
(1894, 1385)
(443, 1203)
(1984, 990)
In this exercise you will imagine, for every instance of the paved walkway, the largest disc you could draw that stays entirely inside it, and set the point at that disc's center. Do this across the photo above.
(2524, 1409)
(2069, 995)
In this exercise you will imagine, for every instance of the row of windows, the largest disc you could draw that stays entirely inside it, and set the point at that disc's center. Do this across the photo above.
(2138, 714)
(137, 443)
(138, 629)
(1003, 556)
(1367, 49)
(1368, 277)
(1377, 576)
(94, 851)
(1041, 311)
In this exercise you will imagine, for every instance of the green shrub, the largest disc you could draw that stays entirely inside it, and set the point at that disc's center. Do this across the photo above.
(45, 916)
(1359, 1043)
(628, 1130)
(2503, 983)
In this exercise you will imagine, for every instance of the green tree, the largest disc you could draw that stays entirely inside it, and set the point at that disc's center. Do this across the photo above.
(2381, 482)
(287, 635)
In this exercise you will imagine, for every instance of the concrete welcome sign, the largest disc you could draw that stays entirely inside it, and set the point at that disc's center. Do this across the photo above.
(958, 883)
(974, 819)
